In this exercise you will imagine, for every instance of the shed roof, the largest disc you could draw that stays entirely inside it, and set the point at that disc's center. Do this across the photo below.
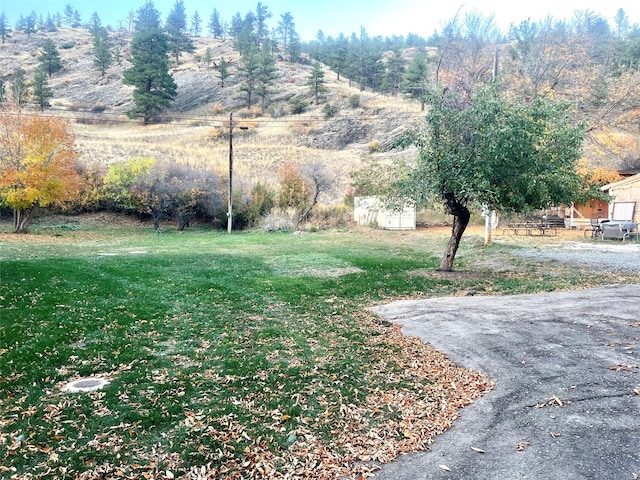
(621, 183)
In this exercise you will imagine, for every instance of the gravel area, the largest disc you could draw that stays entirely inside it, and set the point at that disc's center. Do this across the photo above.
(609, 257)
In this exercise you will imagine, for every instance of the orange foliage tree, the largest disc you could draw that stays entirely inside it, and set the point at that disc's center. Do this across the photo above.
(38, 165)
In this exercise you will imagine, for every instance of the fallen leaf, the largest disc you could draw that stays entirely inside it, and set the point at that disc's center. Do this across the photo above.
(557, 400)
(555, 434)
(522, 446)
(478, 450)
(444, 467)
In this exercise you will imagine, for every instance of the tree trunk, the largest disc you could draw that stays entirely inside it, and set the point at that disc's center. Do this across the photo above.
(21, 220)
(461, 216)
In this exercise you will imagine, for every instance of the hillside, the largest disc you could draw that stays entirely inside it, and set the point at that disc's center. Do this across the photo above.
(196, 126)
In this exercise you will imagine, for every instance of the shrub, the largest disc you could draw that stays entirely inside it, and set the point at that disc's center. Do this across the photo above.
(68, 45)
(99, 107)
(374, 146)
(330, 111)
(298, 106)
(217, 109)
(354, 100)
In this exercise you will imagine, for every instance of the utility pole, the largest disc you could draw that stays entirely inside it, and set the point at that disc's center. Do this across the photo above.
(230, 210)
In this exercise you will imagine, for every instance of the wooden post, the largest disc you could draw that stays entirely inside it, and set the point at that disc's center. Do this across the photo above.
(230, 210)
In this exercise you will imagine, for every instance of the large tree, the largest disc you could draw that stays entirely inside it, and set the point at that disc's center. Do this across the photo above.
(38, 165)
(487, 150)
(178, 40)
(42, 91)
(155, 88)
(50, 57)
(316, 81)
(4, 27)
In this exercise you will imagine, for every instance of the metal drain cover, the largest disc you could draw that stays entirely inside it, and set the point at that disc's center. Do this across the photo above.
(86, 384)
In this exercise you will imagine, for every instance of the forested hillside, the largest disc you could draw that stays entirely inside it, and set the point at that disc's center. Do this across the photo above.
(332, 101)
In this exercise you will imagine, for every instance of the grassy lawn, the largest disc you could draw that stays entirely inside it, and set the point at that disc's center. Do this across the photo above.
(248, 355)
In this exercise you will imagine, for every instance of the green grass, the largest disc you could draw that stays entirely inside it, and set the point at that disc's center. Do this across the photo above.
(221, 349)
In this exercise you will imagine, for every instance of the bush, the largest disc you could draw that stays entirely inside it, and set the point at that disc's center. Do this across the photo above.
(330, 111)
(99, 107)
(354, 100)
(68, 45)
(298, 106)
(374, 146)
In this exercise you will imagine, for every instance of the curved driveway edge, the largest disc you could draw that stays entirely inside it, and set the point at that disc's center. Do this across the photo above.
(566, 371)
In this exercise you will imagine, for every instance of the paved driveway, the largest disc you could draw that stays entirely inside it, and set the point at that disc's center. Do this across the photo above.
(565, 367)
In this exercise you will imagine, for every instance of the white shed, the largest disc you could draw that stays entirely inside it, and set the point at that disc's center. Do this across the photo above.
(626, 198)
(370, 211)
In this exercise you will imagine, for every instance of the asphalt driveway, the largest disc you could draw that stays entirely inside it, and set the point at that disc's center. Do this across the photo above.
(566, 403)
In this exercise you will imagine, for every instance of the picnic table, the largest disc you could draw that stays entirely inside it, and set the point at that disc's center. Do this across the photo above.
(531, 228)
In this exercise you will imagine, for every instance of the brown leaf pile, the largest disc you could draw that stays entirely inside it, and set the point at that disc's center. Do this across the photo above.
(429, 392)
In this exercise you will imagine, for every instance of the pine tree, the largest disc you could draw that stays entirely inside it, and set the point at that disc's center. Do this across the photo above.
(95, 24)
(18, 87)
(316, 81)
(196, 24)
(223, 71)
(179, 41)
(50, 57)
(215, 25)
(155, 88)
(41, 89)
(267, 73)
(4, 27)
(30, 24)
(249, 72)
(416, 80)
(102, 57)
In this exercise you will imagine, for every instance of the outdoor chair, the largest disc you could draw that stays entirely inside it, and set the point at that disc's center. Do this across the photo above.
(615, 231)
(596, 229)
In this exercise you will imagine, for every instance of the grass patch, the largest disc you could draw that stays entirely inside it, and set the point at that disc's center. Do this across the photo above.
(246, 355)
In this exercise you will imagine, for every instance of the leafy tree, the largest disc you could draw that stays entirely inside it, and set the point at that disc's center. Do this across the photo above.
(19, 87)
(38, 165)
(5, 30)
(316, 81)
(178, 40)
(416, 80)
(223, 71)
(155, 88)
(487, 150)
(50, 57)
(102, 57)
(196, 24)
(215, 25)
(121, 177)
(41, 89)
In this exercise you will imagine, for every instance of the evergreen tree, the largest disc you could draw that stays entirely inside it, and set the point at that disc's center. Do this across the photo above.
(294, 49)
(155, 88)
(262, 15)
(77, 19)
(286, 27)
(19, 87)
(4, 27)
(3, 91)
(208, 58)
(249, 72)
(316, 81)
(102, 57)
(95, 24)
(223, 71)
(267, 73)
(50, 24)
(196, 24)
(50, 57)
(416, 80)
(215, 25)
(30, 24)
(178, 40)
(41, 90)
(68, 14)
(394, 72)
(21, 23)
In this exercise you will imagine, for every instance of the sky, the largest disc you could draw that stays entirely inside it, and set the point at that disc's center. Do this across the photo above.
(378, 17)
